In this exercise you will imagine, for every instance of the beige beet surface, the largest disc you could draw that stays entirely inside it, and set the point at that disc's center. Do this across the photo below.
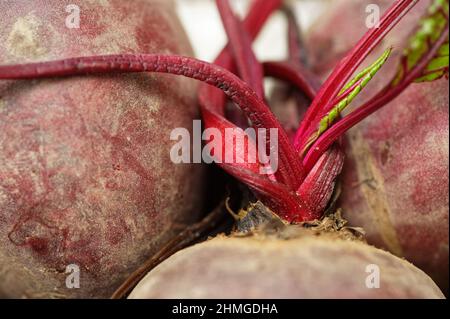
(310, 267)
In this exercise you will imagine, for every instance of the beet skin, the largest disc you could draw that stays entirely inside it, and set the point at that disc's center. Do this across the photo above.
(306, 267)
(396, 178)
(85, 173)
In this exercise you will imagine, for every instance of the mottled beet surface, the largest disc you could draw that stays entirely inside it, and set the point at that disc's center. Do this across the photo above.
(85, 173)
(396, 177)
(307, 267)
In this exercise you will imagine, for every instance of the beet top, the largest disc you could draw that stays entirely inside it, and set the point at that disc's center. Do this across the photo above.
(309, 163)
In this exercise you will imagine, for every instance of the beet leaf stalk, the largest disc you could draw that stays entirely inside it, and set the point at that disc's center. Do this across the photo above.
(290, 168)
(251, 72)
(425, 59)
(348, 65)
(258, 14)
(238, 55)
(345, 97)
(292, 192)
(294, 70)
(290, 206)
(249, 68)
(279, 191)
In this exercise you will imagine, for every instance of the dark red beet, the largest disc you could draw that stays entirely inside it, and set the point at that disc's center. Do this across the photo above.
(84, 175)
(396, 179)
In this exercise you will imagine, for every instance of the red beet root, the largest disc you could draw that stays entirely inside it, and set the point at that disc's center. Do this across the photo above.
(301, 188)
(396, 175)
(266, 267)
(84, 177)
(397, 187)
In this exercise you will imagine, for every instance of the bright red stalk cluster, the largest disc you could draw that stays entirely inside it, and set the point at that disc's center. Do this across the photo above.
(385, 96)
(301, 188)
(347, 67)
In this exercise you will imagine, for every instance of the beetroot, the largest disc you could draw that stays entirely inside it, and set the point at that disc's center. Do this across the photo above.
(84, 178)
(398, 188)
(300, 267)
(396, 179)
(299, 188)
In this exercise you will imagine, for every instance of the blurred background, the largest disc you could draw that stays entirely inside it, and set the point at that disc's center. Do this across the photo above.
(201, 21)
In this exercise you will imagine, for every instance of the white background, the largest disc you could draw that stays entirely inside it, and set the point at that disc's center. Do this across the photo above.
(202, 22)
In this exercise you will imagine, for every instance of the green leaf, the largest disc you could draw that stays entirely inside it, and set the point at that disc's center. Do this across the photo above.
(347, 95)
(428, 32)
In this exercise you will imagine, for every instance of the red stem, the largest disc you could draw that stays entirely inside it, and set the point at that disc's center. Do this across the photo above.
(237, 90)
(294, 70)
(275, 195)
(286, 204)
(337, 100)
(385, 96)
(318, 186)
(297, 54)
(240, 43)
(257, 16)
(290, 168)
(347, 66)
(296, 75)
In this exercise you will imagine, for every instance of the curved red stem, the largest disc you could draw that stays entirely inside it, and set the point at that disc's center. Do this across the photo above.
(385, 96)
(290, 168)
(249, 68)
(348, 66)
(295, 75)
